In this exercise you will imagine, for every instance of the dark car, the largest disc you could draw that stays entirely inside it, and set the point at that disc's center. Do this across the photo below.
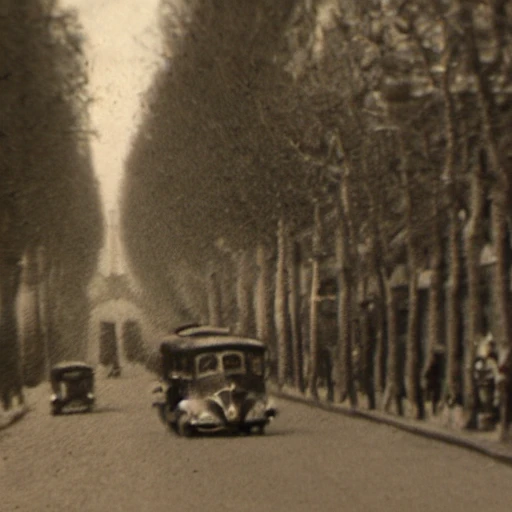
(72, 385)
(213, 381)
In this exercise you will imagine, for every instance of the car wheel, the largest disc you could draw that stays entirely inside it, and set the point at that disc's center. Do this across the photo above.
(261, 429)
(55, 411)
(183, 428)
(245, 430)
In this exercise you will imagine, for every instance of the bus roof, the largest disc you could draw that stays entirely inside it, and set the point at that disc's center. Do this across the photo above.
(208, 342)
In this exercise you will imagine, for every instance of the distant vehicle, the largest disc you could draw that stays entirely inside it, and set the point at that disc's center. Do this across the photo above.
(72, 385)
(213, 381)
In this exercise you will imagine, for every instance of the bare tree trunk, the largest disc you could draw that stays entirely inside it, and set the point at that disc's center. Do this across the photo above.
(54, 313)
(42, 271)
(379, 360)
(473, 247)
(413, 348)
(501, 287)
(378, 257)
(453, 318)
(11, 380)
(393, 384)
(435, 293)
(242, 293)
(313, 304)
(214, 299)
(367, 369)
(294, 308)
(345, 375)
(413, 355)
(227, 268)
(261, 305)
(33, 354)
(280, 303)
(453, 321)
(345, 381)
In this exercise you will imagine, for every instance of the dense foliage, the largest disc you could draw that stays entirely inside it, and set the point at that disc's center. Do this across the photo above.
(388, 119)
(210, 157)
(51, 228)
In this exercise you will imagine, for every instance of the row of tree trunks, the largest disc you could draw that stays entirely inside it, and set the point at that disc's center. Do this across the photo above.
(11, 377)
(31, 341)
(253, 299)
(500, 198)
(287, 321)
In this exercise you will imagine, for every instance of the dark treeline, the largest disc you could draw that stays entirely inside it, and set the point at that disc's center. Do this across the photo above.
(207, 133)
(51, 219)
(333, 176)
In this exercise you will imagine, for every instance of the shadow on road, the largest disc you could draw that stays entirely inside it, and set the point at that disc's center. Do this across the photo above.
(107, 409)
(229, 435)
(96, 410)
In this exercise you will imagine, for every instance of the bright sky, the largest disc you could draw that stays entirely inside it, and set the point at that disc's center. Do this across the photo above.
(122, 45)
(122, 48)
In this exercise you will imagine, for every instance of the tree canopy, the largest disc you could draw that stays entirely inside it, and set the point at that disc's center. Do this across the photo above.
(50, 199)
(211, 159)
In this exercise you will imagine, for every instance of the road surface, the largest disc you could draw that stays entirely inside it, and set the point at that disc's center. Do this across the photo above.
(121, 458)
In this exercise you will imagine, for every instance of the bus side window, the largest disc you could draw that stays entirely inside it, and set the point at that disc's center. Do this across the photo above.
(255, 364)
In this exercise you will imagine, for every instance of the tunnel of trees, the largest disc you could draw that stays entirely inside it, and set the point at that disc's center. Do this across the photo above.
(371, 137)
(206, 136)
(51, 224)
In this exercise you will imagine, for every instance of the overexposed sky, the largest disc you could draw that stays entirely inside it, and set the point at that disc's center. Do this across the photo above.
(123, 52)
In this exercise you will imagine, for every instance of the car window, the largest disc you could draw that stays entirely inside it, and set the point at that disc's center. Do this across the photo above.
(72, 374)
(232, 362)
(255, 364)
(207, 363)
(182, 366)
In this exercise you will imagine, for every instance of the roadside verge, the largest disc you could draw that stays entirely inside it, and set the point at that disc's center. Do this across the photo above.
(477, 442)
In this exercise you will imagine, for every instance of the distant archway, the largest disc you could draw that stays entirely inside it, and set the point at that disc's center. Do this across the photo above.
(115, 307)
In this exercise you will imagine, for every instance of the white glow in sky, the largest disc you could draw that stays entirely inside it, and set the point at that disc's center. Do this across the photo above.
(123, 53)
(122, 48)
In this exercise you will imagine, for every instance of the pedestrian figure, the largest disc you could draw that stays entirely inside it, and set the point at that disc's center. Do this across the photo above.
(487, 376)
(325, 370)
(433, 378)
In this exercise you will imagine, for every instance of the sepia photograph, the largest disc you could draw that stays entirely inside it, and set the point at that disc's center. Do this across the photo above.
(255, 255)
